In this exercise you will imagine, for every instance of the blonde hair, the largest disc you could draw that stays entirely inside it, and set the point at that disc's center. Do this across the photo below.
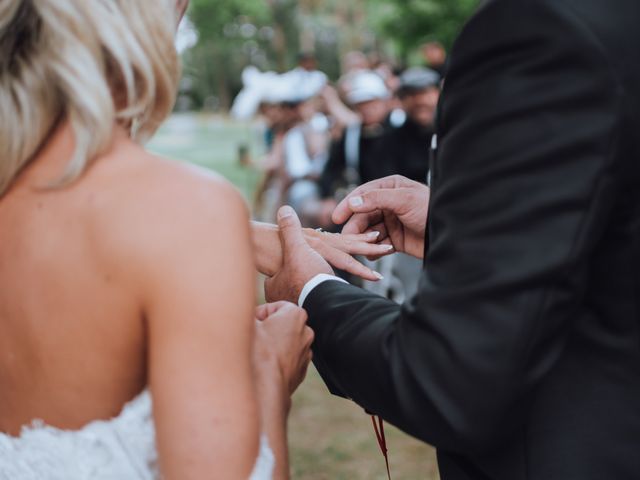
(93, 62)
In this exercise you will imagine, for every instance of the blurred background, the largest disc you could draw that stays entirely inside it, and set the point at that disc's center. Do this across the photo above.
(297, 102)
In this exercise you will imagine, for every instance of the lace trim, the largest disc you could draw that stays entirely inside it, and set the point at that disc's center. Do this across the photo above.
(122, 448)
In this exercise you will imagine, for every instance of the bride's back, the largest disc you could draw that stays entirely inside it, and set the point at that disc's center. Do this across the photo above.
(73, 340)
(118, 270)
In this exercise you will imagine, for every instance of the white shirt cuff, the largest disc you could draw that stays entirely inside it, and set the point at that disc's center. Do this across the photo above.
(313, 283)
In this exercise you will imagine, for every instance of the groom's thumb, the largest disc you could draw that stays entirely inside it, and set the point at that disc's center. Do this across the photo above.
(291, 234)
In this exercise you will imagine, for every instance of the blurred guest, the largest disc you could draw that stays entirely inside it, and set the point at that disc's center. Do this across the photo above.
(419, 93)
(340, 116)
(306, 143)
(386, 69)
(353, 63)
(261, 95)
(435, 57)
(360, 154)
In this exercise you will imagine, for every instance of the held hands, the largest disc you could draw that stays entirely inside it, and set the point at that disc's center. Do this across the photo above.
(394, 209)
(394, 206)
(337, 249)
(300, 262)
(283, 343)
(334, 248)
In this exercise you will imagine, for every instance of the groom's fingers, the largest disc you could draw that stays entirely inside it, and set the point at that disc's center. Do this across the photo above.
(362, 222)
(343, 211)
(291, 233)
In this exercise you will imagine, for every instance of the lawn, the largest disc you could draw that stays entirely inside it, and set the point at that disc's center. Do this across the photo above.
(330, 438)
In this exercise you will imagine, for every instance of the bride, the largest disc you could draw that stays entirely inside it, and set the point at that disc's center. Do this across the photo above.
(125, 277)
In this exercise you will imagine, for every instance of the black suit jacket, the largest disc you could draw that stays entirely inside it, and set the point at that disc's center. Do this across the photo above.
(519, 358)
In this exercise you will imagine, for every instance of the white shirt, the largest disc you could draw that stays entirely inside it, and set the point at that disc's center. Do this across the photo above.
(313, 283)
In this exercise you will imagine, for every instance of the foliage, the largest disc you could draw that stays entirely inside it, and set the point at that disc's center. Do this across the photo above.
(409, 23)
(271, 33)
(231, 33)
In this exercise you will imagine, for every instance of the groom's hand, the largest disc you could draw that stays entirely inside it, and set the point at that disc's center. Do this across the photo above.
(394, 206)
(300, 262)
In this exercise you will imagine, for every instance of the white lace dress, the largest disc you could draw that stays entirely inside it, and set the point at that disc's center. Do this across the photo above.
(119, 449)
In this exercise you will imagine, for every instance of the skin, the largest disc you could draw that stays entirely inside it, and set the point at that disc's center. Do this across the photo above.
(300, 263)
(394, 206)
(282, 345)
(373, 112)
(421, 106)
(434, 53)
(338, 110)
(101, 276)
(335, 249)
(150, 287)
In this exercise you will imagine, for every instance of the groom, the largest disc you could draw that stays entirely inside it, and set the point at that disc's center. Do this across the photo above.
(519, 357)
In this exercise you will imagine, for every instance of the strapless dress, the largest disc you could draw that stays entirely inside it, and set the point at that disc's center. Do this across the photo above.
(122, 448)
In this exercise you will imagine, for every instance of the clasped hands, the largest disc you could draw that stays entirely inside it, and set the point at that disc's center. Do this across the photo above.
(392, 210)
(391, 213)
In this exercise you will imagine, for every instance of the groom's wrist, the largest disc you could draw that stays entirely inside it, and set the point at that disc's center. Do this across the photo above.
(313, 283)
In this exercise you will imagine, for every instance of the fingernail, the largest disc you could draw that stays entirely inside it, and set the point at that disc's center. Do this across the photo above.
(373, 235)
(389, 248)
(356, 201)
(378, 275)
(285, 212)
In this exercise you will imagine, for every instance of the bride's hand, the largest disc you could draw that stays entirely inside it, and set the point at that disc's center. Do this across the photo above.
(282, 353)
(335, 248)
(282, 344)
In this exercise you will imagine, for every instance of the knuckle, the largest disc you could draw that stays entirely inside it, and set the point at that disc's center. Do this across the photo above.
(311, 336)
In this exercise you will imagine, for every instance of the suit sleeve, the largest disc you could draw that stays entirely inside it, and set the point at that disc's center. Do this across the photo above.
(522, 187)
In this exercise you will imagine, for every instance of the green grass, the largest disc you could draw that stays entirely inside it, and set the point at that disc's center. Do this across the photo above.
(211, 142)
(330, 438)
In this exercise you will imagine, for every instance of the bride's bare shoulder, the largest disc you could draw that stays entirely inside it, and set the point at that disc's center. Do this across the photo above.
(155, 180)
(146, 200)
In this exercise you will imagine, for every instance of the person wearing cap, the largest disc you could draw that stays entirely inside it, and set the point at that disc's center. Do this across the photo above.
(418, 93)
(306, 143)
(361, 154)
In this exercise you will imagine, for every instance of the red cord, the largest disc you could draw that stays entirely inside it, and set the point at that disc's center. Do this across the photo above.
(382, 441)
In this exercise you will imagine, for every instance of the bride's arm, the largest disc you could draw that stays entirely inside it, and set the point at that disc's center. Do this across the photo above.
(198, 304)
(282, 354)
(335, 248)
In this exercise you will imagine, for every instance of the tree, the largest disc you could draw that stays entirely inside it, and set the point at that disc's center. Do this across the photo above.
(270, 34)
(409, 23)
(229, 36)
